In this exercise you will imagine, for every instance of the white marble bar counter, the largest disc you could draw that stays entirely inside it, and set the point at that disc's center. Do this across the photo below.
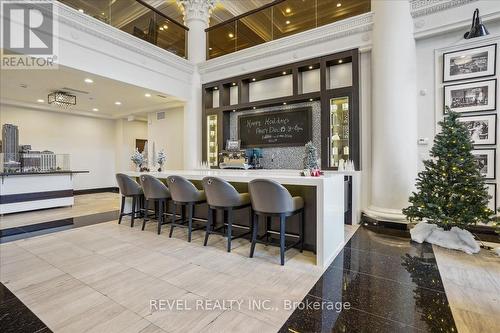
(329, 198)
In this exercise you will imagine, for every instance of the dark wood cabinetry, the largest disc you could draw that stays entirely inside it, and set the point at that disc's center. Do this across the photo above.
(329, 94)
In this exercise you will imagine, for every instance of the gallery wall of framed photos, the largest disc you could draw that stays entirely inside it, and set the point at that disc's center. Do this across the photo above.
(467, 82)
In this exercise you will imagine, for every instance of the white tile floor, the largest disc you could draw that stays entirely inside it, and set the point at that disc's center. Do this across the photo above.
(102, 278)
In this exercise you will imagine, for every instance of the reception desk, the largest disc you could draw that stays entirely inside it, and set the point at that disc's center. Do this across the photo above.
(323, 196)
(26, 191)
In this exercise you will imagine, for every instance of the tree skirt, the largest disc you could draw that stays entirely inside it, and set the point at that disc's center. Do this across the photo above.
(455, 239)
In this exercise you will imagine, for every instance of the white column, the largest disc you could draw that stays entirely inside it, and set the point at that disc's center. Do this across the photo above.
(196, 18)
(394, 110)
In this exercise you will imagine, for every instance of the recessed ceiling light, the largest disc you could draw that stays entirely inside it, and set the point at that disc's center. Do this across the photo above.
(284, 73)
(118, 103)
(234, 83)
(40, 100)
(165, 26)
(339, 4)
(95, 109)
(310, 99)
(230, 35)
(287, 22)
(234, 110)
(210, 49)
(340, 61)
(87, 80)
(310, 67)
(215, 88)
(81, 10)
(254, 107)
(288, 10)
(147, 94)
(161, 28)
(253, 79)
(284, 103)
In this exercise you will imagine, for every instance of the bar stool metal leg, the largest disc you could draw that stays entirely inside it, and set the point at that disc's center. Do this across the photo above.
(174, 212)
(162, 214)
(282, 238)
(121, 209)
(302, 226)
(134, 204)
(229, 228)
(209, 225)
(190, 220)
(146, 209)
(255, 228)
(268, 227)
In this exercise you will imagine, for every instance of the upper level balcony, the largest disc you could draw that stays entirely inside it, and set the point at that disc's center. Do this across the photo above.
(278, 19)
(139, 19)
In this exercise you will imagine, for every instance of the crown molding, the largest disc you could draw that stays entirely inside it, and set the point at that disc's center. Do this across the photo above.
(92, 26)
(329, 32)
(426, 7)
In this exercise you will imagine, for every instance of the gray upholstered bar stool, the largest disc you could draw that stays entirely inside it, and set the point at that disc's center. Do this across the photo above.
(186, 195)
(223, 196)
(271, 199)
(157, 192)
(129, 188)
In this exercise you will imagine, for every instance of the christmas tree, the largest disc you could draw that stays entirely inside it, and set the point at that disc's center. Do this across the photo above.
(451, 190)
(311, 157)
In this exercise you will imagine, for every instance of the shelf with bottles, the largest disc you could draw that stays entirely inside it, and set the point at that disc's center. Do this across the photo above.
(212, 148)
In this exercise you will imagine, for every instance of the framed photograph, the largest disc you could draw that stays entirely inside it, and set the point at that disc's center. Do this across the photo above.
(482, 129)
(471, 97)
(485, 159)
(469, 63)
(492, 191)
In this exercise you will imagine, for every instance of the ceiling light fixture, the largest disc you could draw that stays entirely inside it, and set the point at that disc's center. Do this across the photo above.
(234, 83)
(161, 28)
(284, 73)
(284, 103)
(310, 99)
(210, 49)
(40, 100)
(230, 35)
(340, 61)
(95, 109)
(165, 26)
(311, 67)
(215, 88)
(61, 98)
(81, 10)
(339, 4)
(287, 22)
(87, 80)
(254, 107)
(147, 94)
(118, 103)
(288, 10)
(253, 79)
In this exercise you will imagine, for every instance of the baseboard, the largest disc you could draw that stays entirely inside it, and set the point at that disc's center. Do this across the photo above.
(96, 190)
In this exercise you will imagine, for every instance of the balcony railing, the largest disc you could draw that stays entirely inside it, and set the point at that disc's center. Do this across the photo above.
(138, 19)
(278, 19)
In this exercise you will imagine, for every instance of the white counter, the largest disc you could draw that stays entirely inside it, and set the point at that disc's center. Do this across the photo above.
(329, 200)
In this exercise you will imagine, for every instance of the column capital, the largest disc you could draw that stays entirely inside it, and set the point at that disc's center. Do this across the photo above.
(196, 10)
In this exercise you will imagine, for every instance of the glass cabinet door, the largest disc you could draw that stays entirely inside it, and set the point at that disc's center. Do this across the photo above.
(338, 131)
(212, 149)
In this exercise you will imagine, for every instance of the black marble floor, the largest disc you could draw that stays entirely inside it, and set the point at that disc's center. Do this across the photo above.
(16, 317)
(26, 231)
(377, 283)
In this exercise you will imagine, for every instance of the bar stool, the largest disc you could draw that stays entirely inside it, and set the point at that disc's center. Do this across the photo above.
(156, 191)
(270, 199)
(222, 195)
(185, 194)
(129, 188)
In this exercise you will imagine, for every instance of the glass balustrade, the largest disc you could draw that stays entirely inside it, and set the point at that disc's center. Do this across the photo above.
(277, 20)
(138, 19)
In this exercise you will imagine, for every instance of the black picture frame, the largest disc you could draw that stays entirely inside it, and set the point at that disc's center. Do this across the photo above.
(494, 160)
(494, 127)
(494, 196)
(491, 108)
(494, 65)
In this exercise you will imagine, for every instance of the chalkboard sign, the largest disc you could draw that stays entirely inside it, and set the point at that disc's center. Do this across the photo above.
(276, 128)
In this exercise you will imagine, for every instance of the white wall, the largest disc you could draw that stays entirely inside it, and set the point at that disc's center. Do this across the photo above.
(91, 142)
(126, 132)
(167, 134)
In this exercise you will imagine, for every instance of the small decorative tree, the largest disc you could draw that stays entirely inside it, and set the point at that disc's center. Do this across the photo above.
(311, 157)
(451, 190)
(161, 158)
(137, 158)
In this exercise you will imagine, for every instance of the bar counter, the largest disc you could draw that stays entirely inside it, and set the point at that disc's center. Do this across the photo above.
(323, 197)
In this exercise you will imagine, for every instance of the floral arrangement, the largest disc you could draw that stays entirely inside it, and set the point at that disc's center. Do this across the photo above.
(137, 158)
(161, 158)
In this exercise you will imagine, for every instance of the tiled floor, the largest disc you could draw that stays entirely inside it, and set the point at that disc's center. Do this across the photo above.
(103, 278)
(86, 204)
